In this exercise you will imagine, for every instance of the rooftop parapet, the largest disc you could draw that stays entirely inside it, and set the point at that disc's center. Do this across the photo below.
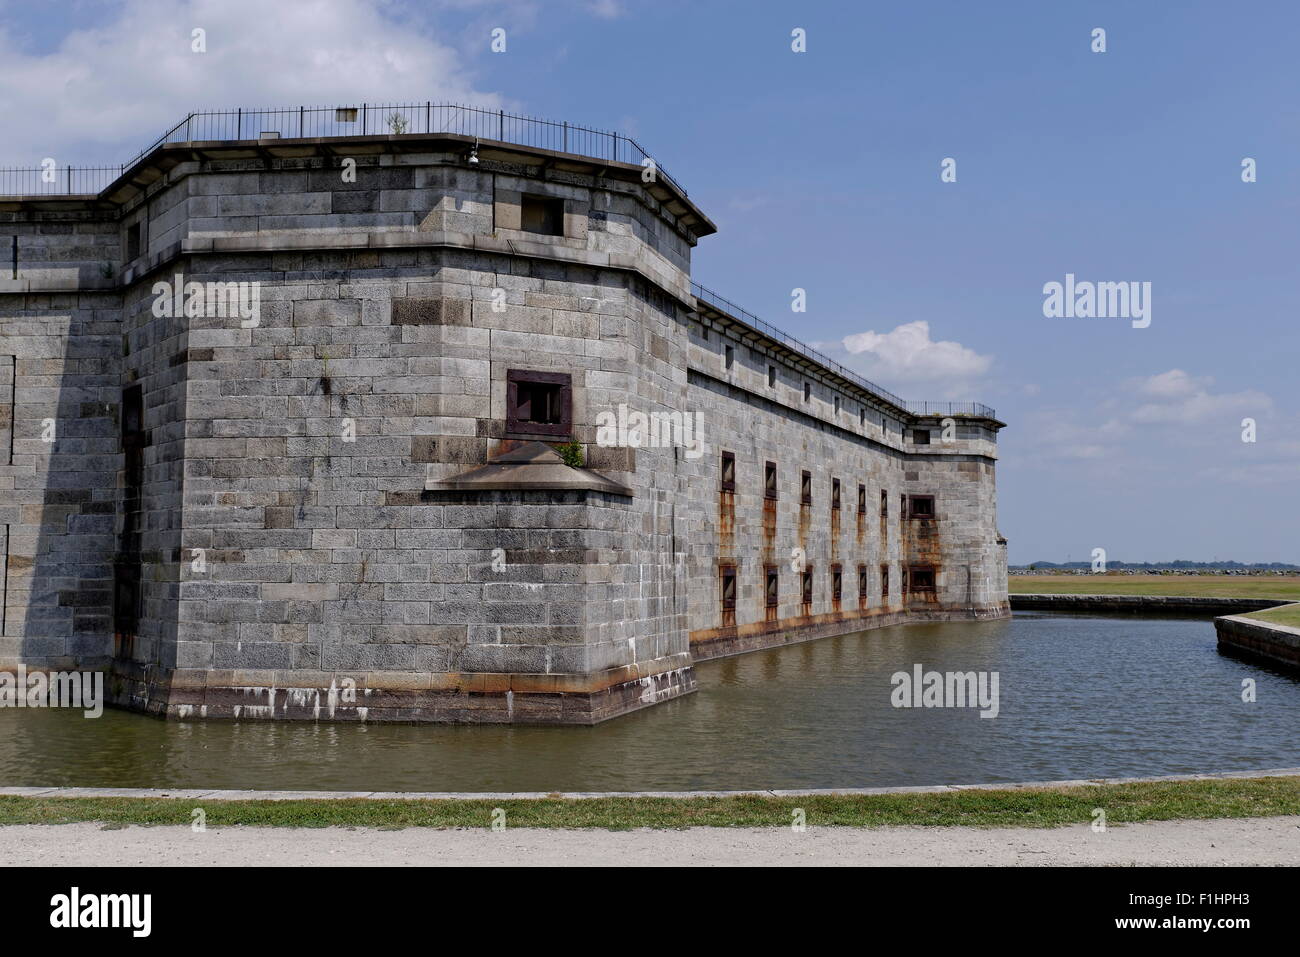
(362, 119)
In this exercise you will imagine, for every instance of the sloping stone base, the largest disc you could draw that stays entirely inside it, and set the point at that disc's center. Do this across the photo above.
(398, 697)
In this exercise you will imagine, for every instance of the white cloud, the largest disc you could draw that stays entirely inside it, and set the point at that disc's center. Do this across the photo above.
(1172, 384)
(1182, 399)
(908, 354)
(114, 88)
(606, 9)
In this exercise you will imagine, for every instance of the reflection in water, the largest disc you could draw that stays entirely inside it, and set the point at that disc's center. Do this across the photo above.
(1080, 697)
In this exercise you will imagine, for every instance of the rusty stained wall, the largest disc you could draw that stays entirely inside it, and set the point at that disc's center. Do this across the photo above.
(745, 529)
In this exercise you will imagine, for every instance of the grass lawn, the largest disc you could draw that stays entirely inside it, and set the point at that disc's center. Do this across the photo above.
(1286, 615)
(1027, 807)
(1208, 586)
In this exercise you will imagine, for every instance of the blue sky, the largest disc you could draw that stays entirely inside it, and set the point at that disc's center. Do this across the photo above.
(821, 170)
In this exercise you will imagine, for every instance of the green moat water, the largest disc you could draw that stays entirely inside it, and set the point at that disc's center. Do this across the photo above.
(1078, 697)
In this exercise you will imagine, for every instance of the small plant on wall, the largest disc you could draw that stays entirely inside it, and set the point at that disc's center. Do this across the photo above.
(571, 452)
(397, 123)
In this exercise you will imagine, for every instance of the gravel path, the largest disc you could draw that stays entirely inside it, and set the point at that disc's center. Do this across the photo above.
(1256, 841)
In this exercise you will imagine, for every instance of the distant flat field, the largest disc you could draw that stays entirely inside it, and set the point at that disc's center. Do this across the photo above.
(1206, 586)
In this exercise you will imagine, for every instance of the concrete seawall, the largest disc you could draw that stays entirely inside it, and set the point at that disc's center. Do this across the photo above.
(1252, 638)
(1192, 607)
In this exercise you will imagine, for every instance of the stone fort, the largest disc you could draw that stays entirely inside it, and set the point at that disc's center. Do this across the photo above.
(419, 416)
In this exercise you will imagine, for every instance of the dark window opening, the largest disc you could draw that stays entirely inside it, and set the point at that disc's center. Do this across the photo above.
(807, 391)
(807, 587)
(862, 499)
(862, 582)
(921, 506)
(728, 471)
(539, 403)
(772, 586)
(769, 480)
(728, 574)
(132, 414)
(837, 405)
(884, 581)
(128, 563)
(542, 214)
(771, 377)
(805, 488)
(884, 504)
(920, 436)
(835, 494)
(862, 418)
(921, 579)
(132, 242)
(837, 582)
(730, 356)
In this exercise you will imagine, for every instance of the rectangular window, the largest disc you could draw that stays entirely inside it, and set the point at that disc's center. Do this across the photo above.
(835, 494)
(862, 499)
(884, 504)
(729, 355)
(133, 242)
(884, 581)
(921, 578)
(769, 480)
(542, 214)
(807, 586)
(728, 576)
(862, 418)
(805, 488)
(837, 405)
(728, 471)
(837, 582)
(771, 377)
(862, 582)
(539, 403)
(920, 506)
(807, 391)
(920, 436)
(345, 114)
(772, 586)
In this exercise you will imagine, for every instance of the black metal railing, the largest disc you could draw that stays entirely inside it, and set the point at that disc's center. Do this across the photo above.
(55, 180)
(362, 119)
(745, 317)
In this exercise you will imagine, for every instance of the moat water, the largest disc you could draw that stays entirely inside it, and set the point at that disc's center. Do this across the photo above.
(1078, 697)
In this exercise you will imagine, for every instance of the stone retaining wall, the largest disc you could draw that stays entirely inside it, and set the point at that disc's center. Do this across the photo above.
(1188, 606)
(1254, 638)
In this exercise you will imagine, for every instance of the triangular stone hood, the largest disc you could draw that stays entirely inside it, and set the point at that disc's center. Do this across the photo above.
(531, 466)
